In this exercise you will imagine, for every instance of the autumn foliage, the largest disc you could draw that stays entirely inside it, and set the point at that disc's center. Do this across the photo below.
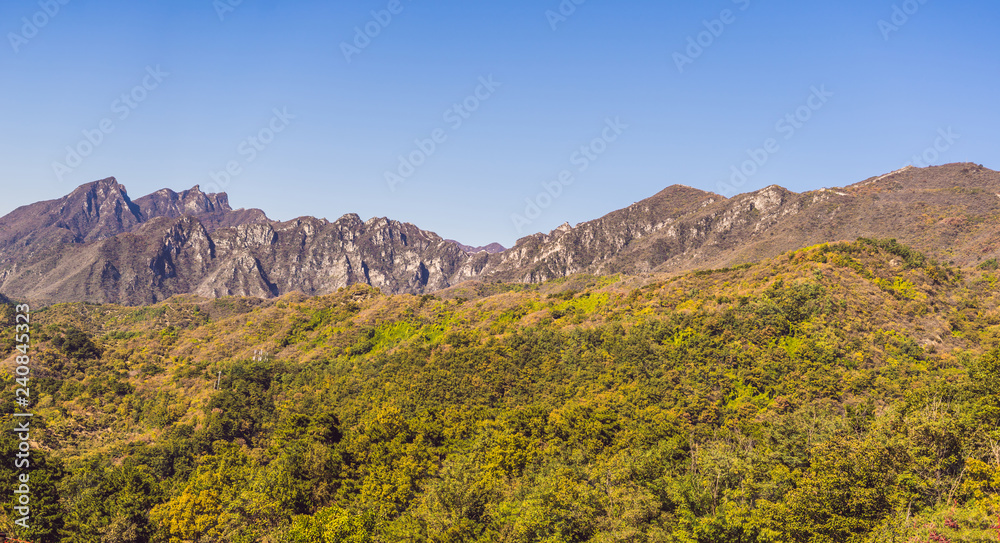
(847, 392)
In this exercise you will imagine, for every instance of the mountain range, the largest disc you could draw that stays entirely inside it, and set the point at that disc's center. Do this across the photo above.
(98, 245)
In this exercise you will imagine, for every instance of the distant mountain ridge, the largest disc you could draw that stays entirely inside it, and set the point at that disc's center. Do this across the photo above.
(211, 209)
(102, 209)
(492, 248)
(98, 245)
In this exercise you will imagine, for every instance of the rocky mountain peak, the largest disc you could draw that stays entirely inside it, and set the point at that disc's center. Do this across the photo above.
(212, 209)
(193, 242)
(93, 211)
(102, 209)
(350, 220)
(167, 203)
(492, 248)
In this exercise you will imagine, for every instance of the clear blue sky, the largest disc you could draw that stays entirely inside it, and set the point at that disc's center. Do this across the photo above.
(557, 90)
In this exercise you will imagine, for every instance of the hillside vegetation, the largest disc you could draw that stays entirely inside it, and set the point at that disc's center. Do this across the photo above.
(846, 392)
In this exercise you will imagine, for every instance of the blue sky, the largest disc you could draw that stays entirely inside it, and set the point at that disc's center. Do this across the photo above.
(172, 93)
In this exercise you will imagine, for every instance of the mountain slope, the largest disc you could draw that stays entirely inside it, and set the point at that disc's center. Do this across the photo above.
(842, 392)
(491, 248)
(94, 211)
(97, 245)
(166, 257)
(102, 209)
(211, 209)
(951, 212)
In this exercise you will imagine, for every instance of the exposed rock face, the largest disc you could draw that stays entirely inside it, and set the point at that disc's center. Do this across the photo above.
(211, 209)
(102, 209)
(492, 248)
(597, 246)
(97, 245)
(168, 256)
(94, 211)
(952, 212)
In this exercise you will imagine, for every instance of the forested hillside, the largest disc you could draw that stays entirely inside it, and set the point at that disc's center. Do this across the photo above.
(843, 392)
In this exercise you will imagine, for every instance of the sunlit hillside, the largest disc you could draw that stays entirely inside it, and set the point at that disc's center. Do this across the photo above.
(843, 392)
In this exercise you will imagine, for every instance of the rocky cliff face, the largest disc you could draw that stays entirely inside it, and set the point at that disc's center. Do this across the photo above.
(492, 248)
(168, 256)
(102, 209)
(92, 212)
(952, 212)
(211, 209)
(97, 245)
